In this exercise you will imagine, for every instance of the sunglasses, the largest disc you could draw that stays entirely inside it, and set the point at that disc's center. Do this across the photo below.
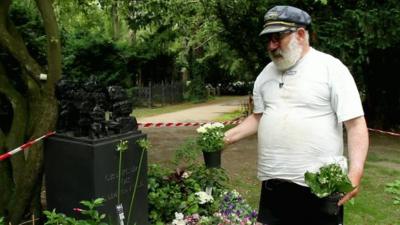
(278, 36)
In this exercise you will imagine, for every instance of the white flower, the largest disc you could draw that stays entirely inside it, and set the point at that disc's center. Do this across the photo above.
(179, 216)
(201, 130)
(204, 197)
(207, 126)
(217, 125)
(178, 222)
(235, 193)
(179, 219)
(185, 175)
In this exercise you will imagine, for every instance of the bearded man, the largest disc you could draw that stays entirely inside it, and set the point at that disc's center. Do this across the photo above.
(301, 101)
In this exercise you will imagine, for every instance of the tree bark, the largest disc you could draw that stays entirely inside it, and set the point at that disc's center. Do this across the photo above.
(5, 167)
(115, 21)
(34, 112)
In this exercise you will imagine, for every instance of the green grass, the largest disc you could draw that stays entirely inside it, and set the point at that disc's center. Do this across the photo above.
(248, 187)
(373, 206)
(145, 112)
(230, 116)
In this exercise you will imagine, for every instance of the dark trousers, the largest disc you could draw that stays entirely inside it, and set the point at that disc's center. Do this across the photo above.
(286, 203)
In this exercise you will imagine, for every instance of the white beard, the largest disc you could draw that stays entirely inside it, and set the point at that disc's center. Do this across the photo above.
(285, 59)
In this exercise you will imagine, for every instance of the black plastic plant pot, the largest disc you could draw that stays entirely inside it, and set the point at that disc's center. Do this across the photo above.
(330, 204)
(212, 159)
(79, 169)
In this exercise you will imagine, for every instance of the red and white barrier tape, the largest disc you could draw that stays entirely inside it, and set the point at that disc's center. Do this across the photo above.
(179, 124)
(24, 146)
(146, 125)
(188, 124)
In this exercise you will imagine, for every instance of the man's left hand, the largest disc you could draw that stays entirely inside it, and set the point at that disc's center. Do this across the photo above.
(355, 180)
(349, 196)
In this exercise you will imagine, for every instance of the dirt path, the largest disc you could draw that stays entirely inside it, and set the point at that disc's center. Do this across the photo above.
(198, 114)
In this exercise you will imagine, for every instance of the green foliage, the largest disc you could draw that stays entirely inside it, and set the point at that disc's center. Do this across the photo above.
(196, 91)
(86, 18)
(28, 23)
(86, 56)
(176, 192)
(193, 32)
(242, 21)
(2, 221)
(328, 180)
(94, 217)
(394, 189)
(211, 137)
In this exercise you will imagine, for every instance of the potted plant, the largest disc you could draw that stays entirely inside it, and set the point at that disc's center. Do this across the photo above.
(330, 182)
(211, 143)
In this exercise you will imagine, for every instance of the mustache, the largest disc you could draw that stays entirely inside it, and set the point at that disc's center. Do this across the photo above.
(276, 53)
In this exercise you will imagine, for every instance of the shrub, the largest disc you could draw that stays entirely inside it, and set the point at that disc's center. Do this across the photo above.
(94, 217)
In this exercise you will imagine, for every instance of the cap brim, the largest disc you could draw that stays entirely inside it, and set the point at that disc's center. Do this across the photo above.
(274, 29)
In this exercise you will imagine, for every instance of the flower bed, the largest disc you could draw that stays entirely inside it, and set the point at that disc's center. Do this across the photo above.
(195, 196)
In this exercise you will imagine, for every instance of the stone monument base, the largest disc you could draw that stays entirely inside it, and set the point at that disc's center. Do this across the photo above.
(79, 169)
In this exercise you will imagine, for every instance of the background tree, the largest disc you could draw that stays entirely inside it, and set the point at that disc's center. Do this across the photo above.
(364, 34)
(32, 106)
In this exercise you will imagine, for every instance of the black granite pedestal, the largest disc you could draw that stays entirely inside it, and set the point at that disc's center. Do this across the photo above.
(79, 169)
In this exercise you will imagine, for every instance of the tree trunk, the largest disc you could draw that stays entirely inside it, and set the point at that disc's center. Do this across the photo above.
(116, 26)
(34, 113)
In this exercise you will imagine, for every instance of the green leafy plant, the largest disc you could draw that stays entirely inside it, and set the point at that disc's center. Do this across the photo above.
(1, 221)
(330, 179)
(394, 188)
(211, 137)
(183, 191)
(145, 145)
(94, 217)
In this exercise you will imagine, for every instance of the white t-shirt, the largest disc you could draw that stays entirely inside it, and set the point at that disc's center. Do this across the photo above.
(303, 110)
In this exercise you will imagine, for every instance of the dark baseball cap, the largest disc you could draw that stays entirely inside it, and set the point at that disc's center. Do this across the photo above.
(281, 18)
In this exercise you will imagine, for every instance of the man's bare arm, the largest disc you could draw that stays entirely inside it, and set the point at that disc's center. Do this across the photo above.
(246, 128)
(357, 143)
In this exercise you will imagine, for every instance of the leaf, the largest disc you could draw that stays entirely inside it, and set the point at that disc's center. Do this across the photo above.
(328, 180)
(345, 187)
(99, 201)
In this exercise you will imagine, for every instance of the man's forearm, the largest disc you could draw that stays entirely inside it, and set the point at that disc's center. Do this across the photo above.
(358, 141)
(246, 128)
